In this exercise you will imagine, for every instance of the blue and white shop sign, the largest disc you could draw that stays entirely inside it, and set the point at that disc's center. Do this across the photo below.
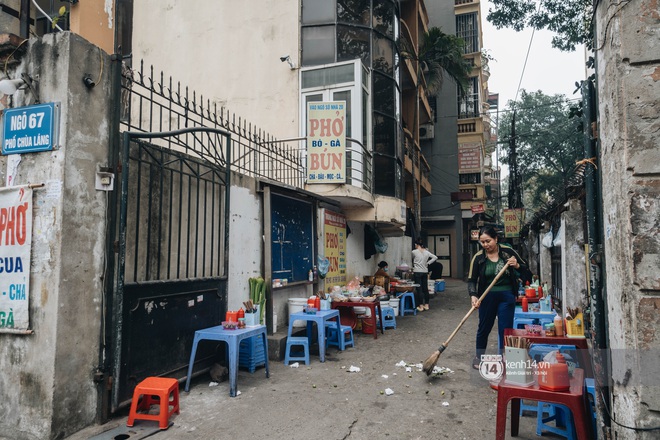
(30, 129)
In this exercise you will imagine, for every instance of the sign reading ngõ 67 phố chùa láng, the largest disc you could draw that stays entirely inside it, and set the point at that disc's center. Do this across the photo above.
(326, 142)
(30, 129)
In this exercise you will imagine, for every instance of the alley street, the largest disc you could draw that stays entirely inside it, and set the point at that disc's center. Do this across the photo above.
(325, 400)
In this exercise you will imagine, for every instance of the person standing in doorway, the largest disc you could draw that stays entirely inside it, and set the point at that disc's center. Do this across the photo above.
(500, 302)
(421, 260)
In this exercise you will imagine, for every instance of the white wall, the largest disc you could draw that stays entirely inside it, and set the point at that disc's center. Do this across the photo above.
(232, 54)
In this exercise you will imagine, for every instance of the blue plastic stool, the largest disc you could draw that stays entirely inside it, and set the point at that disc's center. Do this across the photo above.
(407, 303)
(520, 322)
(590, 387)
(537, 352)
(562, 417)
(292, 341)
(389, 318)
(333, 339)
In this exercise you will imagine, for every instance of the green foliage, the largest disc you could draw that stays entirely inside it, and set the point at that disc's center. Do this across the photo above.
(62, 13)
(570, 20)
(438, 54)
(548, 142)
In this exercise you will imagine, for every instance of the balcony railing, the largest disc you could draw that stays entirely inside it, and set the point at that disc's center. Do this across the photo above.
(153, 102)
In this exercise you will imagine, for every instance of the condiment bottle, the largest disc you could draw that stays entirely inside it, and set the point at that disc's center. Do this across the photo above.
(525, 304)
(540, 291)
(241, 313)
(559, 326)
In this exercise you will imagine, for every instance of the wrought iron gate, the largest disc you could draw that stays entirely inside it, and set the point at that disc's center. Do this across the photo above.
(172, 251)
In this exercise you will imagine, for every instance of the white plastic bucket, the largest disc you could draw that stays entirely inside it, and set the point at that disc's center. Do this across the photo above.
(394, 303)
(297, 305)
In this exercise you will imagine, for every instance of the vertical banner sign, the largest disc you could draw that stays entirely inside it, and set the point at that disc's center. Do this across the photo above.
(513, 219)
(15, 249)
(326, 140)
(334, 234)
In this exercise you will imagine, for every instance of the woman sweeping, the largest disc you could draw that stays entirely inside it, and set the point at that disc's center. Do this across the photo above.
(500, 302)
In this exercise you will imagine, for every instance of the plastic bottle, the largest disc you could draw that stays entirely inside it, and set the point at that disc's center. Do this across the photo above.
(559, 326)
(540, 292)
(521, 289)
(525, 304)
(241, 313)
(310, 275)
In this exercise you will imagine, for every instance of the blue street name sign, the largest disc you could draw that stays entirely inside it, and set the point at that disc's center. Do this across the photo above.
(30, 129)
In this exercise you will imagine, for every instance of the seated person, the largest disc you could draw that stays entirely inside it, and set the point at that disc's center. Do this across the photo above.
(382, 272)
(435, 270)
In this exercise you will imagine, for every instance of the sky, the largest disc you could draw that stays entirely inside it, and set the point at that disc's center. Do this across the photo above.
(548, 69)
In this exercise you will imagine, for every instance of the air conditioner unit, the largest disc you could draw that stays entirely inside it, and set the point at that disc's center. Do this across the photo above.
(426, 131)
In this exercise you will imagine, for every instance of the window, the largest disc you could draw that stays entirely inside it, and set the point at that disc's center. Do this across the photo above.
(352, 11)
(342, 82)
(353, 43)
(468, 103)
(469, 178)
(318, 11)
(318, 45)
(467, 28)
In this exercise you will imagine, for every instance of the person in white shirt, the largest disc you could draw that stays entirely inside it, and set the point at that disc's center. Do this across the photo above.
(421, 260)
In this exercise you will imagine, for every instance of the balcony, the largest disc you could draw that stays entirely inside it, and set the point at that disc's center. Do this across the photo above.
(413, 156)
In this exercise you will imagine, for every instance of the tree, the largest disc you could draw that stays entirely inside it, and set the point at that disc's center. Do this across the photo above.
(548, 144)
(438, 54)
(569, 19)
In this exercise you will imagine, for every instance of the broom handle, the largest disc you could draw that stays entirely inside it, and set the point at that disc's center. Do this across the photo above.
(472, 309)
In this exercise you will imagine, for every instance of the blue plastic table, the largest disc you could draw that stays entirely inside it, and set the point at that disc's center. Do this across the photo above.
(233, 339)
(319, 318)
(545, 316)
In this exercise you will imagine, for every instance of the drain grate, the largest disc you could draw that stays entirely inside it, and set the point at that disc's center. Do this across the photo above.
(140, 430)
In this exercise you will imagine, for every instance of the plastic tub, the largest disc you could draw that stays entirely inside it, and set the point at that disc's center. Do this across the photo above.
(297, 305)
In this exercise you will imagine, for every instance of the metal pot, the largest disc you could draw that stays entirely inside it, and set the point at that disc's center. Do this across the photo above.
(384, 298)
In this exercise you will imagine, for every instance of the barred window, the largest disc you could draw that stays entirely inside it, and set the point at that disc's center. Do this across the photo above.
(467, 28)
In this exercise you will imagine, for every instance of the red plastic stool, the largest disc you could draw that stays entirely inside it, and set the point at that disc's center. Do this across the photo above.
(155, 391)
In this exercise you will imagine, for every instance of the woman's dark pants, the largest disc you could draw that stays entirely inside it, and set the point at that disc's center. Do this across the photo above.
(500, 305)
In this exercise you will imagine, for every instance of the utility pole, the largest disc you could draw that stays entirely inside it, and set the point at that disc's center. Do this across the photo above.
(515, 182)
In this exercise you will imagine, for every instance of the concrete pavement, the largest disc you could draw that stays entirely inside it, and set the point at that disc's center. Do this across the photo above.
(325, 400)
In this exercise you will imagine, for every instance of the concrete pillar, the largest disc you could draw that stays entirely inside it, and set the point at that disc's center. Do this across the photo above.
(574, 273)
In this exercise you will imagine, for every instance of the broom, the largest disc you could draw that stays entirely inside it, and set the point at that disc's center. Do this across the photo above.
(429, 363)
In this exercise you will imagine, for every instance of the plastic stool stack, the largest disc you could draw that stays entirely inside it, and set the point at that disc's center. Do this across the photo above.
(590, 387)
(155, 391)
(293, 341)
(389, 317)
(251, 353)
(339, 341)
(407, 304)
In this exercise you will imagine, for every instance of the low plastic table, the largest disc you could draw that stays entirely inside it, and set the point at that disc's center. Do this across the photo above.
(319, 318)
(373, 305)
(574, 399)
(233, 339)
(584, 359)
